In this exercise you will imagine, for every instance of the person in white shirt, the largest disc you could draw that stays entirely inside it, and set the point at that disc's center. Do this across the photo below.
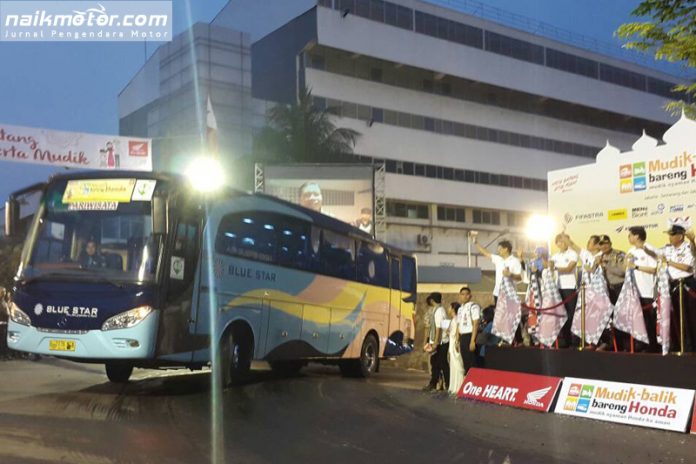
(438, 341)
(644, 269)
(456, 364)
(565, 263)
(680, 266)
(506, 264)
(587, 256)
(468, 318)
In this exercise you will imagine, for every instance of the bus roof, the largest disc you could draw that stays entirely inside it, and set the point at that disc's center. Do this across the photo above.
(318, 219)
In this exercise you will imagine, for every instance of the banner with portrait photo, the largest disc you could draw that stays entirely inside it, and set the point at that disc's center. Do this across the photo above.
(342, 191)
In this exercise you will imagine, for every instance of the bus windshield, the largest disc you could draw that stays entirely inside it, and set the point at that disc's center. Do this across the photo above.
(89, 240)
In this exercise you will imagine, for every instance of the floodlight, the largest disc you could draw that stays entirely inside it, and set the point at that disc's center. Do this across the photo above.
(540, 227)
(205, 174)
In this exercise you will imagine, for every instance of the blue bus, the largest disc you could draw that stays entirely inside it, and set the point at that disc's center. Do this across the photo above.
(132, 269)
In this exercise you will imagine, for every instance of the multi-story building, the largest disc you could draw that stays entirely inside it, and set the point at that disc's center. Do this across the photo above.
(167, 99)
(467, 114)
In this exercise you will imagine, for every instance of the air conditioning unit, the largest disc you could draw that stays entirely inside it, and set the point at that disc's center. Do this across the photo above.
(423, 240)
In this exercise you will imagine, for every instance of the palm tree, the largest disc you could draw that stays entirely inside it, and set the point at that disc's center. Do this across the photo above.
(300, 132)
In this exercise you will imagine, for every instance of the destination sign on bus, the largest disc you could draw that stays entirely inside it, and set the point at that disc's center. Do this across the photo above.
(118, 190)
(103, 194)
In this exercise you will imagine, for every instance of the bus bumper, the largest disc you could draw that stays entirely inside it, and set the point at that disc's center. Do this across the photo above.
(137, 342)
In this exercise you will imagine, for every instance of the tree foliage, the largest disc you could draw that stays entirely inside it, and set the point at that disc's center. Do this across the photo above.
(10, 252)
(300, 132)
(668, 31)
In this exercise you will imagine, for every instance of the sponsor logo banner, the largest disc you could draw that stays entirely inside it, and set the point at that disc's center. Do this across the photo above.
(74, 149)
(617, 214)
(626, 403)
(515, 389)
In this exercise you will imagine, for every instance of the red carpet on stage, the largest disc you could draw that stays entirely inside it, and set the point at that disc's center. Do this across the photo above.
(648, 369)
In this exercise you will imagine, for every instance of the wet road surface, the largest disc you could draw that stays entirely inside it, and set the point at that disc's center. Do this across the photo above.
(55, 411)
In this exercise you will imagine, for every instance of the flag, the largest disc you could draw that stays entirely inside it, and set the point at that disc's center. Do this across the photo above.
(664, 309)
(212, 129)
(628, 313)
(507, 311)
(533, 300)
(551, 321)
(598, 307)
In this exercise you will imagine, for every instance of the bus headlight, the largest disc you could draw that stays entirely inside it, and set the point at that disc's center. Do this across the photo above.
(128, 319)
(19, 316)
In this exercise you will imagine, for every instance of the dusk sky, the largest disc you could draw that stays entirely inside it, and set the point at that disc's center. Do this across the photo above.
(74, 86)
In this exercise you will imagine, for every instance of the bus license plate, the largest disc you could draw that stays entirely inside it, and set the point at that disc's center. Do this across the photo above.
(61, 345)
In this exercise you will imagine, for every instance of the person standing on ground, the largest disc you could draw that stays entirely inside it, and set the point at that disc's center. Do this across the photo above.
(565, 263)
(438, 342)
(468, 318)
(455, 352)
(644, 269)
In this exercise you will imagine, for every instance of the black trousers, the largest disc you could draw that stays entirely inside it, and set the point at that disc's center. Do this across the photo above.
(689, 311)
(439, 365)
(4, 351)
(566, 334)
(469, 357)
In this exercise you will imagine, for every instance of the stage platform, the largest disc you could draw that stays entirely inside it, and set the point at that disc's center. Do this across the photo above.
(648, 369)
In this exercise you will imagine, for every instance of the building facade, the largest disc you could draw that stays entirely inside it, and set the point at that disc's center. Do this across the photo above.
(467, 115)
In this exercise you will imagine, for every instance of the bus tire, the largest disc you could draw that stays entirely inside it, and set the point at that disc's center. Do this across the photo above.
(235, 358)
(118, 372)
(286, 368)
(367, 364)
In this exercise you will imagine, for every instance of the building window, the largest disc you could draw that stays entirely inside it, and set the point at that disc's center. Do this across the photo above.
(622, 77)
(446, 213)
(376, 74)
(514, 48)
(407, 210)
(486, 217)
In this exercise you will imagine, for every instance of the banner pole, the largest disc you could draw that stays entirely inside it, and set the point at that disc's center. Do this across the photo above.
(582, 315)
(681, 317)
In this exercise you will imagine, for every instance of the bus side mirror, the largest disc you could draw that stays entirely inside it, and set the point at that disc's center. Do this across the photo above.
(410, 299)
(11, 217)
(159, 215)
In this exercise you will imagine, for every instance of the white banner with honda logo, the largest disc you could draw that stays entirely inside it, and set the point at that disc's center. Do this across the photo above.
(74, 149)
(626, 403)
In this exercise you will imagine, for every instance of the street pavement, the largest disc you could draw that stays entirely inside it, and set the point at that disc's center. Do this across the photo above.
(54, 411)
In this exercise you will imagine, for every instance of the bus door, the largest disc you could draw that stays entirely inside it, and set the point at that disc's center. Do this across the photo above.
(180, 266)
(395, 294)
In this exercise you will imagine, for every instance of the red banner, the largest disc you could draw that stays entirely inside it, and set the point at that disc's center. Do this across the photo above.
(527, 391)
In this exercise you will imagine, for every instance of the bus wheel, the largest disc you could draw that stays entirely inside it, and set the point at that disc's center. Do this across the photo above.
(367, 364)
(235, 358)
(118, 372)
(286, 368)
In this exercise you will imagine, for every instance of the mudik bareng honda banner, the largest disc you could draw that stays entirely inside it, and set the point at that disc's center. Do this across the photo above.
(651, 186)
(74, 149)
(626, 403)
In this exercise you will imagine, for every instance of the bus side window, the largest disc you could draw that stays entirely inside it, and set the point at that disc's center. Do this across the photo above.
(373, 267)
(182, 267)
(408, 274)
(293, 244)
(338, 255)
(395, 273)
(248, 235)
